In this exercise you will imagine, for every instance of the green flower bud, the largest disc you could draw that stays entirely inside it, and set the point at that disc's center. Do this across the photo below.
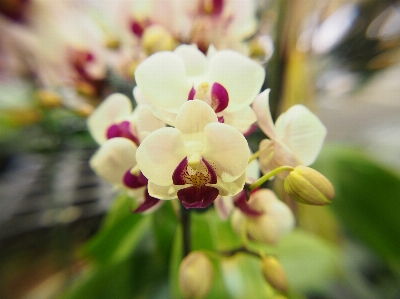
(308, 186)
(195, 275)
(274, 273)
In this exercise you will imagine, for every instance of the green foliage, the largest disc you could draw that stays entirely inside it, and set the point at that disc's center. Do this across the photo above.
(366, 200)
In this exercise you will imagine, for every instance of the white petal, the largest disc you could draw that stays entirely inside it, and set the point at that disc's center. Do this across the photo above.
(163, 192)
(115, 157)
(263, 113)
(140, 97)
(231, 188)
(240, 120)
(145, 121)
(162, 80)
(302, 132)
(227, 149)
(159, 154)
(115, 107)
(241, 77)
(194, 116)
(196, 64)
(253, 171)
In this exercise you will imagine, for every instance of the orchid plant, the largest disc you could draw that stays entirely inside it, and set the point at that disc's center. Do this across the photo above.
(211, 104)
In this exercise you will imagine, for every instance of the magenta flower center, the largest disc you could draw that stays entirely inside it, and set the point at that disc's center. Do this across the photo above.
(122, 129)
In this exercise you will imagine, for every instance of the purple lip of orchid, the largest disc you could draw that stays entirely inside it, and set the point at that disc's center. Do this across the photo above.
(122, 130)
(132, 181)
(241, 203)
(149, 202)
(199, 195)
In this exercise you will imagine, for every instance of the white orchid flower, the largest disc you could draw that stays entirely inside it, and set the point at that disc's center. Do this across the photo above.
(114, 118)
(227, 81)
(196, 161)
(264, 217)
(115, 162)
(296, 138)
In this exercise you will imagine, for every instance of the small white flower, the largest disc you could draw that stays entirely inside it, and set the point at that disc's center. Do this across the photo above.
(296, 138)
(196, 161)
(227, 81)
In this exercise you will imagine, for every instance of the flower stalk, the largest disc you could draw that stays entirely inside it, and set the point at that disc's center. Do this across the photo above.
(186, 230)
(269, 175)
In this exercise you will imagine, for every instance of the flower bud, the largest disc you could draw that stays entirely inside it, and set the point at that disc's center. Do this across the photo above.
(308, 186)
(274, 273)
(195, 275)
(156, 38)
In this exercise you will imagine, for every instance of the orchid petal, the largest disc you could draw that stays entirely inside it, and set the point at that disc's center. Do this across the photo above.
(223, 206)
(193, 117)
(231, 188)
(159, 154)
(227, 148)
(163, 192)
(196, 63)
(241, 77)
(241, 119)
(113, 159)
(263, 113)
(148, 203)
(115, 107)
(302, 132)
(162, 80)
(219, 97)
(146, 122)
(197, 197)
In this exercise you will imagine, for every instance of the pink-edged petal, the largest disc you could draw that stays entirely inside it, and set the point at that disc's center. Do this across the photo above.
(123, 129)
(302, 132)
(194, 116)
(240, 201)
(241, 120)
(219, 97)
(197, 197)
(162, 80)
(113, 159)
(263, 114)
(227, 149)
(159, 154)
(223, 206)
(163, 192)
(115, 107)
(148, 203)
(191, 94)
(241, 77)
(196, 63)
(146, 122)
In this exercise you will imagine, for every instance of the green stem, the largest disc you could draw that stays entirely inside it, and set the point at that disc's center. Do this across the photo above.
(269, 175)
(186, 231)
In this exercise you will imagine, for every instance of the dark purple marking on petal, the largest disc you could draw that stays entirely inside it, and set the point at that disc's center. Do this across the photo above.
(142, 178)
(221, 119)
(197, 197)
(211, 171)
(149, 202)
(178, 177)
(137, 28)
(218, 6)
(192, 92)
(132, 181)
(122, 129)
(241, 203)
(219, 97)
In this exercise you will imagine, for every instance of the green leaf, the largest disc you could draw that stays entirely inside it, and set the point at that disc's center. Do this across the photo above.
(119, 234)
(367, 197)
(310, 261)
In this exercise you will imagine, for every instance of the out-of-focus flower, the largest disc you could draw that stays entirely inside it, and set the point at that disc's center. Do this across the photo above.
(196, 275)
(196, 161)
(308, 186)
(114, 118)
(115, 162)
(264, 217)
(296, 138)
(227, 81)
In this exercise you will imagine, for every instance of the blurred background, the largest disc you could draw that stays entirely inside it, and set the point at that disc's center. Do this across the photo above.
(60, 59)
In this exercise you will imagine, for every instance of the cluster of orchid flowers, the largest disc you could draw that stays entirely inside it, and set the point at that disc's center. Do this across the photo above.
(69, 48)
(186, 139)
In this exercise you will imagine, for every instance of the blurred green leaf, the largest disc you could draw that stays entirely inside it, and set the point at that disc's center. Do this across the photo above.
(310, 261)
(367, 197)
